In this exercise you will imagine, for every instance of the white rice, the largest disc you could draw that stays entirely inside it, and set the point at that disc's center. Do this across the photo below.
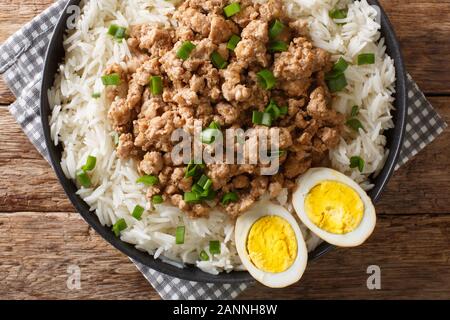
(80, 122)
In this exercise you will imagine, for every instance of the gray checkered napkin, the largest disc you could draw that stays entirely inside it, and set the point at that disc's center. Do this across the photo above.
(21, 62)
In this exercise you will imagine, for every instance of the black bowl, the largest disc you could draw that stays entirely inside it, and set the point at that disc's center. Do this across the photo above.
(55, 55)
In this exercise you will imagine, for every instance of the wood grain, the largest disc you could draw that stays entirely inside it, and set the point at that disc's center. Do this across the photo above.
(36, 250)
(423, 29)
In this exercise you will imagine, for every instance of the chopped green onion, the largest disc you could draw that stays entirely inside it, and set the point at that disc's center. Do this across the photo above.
(338, 14)
(185, 50)
(156, 85)
(278, 46)
(120, 33)
(193, 169)
(218, 61)
(355, 124)
(112, 79)
(137, 212)
(366, 58)
(214, 125)
(197, 189)
(273, 109)
(338, 83)
(113, 29)
(119, 226)
(83, 179)
(355, 111)
(229, 197)
(266, 119)
(179, 235)
(233, 42)
(191, 197)
(117, 32)
(96, 95)
(257, 117)
(232, 9)
(148, 180)
(208, 135)
(276, 28)
(266, 79)
(214, 247)
(357, 162)
(157, 199)
(204, 182)
(340, 66)
(204, 256)
(284, 110)
(90, 163)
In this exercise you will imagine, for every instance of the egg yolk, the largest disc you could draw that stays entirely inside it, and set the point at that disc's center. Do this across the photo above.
(272, 244)
(334, 207)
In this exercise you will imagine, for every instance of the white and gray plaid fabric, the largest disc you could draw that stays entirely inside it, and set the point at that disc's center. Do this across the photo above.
(21, 62)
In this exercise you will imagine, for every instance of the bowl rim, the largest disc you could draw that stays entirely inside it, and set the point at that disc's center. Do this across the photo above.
(54, 56)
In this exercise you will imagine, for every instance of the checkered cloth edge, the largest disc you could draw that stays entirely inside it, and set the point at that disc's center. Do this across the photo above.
(21, 62)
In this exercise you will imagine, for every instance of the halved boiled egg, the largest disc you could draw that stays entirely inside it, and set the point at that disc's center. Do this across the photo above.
(271, 245)
(334, 207)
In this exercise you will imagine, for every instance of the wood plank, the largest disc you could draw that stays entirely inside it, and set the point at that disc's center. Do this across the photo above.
(32, 185)
(426, 46)
(36, 249)
(423, 29)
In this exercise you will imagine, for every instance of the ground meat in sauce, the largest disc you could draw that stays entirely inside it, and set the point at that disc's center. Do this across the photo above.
(196, 90)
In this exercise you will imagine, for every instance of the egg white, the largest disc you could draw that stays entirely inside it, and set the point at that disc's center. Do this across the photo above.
(242, 229)
(317, 175)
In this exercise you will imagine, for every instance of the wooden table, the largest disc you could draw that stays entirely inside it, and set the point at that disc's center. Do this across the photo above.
(41, 234)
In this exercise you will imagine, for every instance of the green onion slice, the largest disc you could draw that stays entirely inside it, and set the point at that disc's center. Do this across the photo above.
(119, 226)
(83, 179)
(218, 61)
(148, 180)
(191, 197)
(113, 29)
(185, 50)
(232, 9)
(214, 247)
(366, 58)
(90, 163)
(266, 119)
(112, 79)
(204, 182)
(204, 256)
(193, 169)
(278, 46)
(156, 85)
(157, 199)
(257, 117)
(179, 235)
(284, 110)
(117, 32)
(276, 28)
(338, 83)
(357, 162)
(354, 124)
(233, 42)
(96, 95)
(208, 135)
(214, 125)
(355, 111)
(137, 212)
(340, 66)
(266, 79)
(338, 14)
(273, 109)
(229, 197)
